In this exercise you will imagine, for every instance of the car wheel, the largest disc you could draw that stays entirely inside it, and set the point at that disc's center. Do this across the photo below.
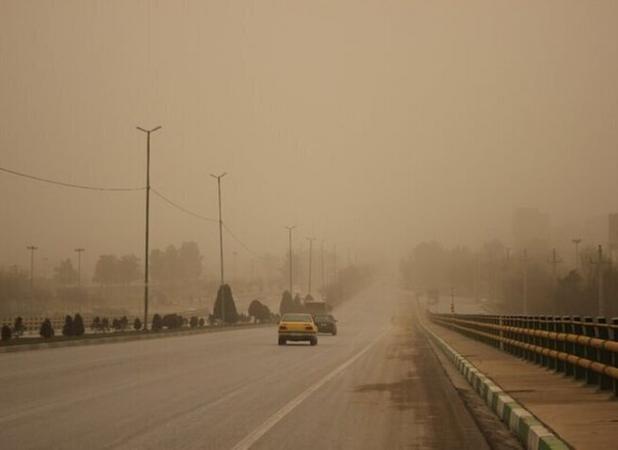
(282, 341)
(314, 341)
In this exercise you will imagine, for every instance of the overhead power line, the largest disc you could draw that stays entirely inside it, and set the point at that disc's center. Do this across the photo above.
(242, 244)
(131, 189)
(70, 185)
(204, 218)
(181, 208)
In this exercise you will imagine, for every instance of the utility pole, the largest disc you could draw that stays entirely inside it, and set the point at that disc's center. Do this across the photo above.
(235, 267)
(576, 241)
(310, 239)
(554, 261)
(32, 249)
(79, 252)
(335, 264)
(290, 229)
(218, 178)
(524, 260)
(322, 265)
(147, 234)
(601, 295)
(452, 300)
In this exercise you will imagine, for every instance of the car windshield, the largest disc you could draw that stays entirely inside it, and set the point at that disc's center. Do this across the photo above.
(296, 318)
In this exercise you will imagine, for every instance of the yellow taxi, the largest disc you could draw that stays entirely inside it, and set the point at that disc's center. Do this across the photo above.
(297, 327)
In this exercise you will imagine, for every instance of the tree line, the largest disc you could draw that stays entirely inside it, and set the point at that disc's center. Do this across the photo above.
(500, 275)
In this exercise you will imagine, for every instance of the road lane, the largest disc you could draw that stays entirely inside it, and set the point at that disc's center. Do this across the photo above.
(213, 390)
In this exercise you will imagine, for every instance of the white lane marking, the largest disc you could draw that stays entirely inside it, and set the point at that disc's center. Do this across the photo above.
(260, 431)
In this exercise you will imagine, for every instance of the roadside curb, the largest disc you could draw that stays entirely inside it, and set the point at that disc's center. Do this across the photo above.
(528, 428)
(126, 338)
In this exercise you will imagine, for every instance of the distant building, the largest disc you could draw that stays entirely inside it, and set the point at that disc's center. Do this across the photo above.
(531, 230)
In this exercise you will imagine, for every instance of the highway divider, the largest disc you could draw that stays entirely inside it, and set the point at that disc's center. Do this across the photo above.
(529, 430)
(93, 339)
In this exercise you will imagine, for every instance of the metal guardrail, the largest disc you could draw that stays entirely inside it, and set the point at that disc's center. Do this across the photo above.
(581, 347)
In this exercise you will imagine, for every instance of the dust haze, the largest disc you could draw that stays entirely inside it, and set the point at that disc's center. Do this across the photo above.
(372, 125)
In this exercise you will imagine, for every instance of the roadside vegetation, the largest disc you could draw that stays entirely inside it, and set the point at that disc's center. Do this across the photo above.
(495, 275)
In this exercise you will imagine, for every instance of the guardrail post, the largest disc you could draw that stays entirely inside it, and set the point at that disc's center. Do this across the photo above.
(613, 335)
(537, 325)
(605, 356)
(528, 323)
(589, 352)
(551, 342)
(559, 345)
(501, 332)
(517, 336)
(567, 328)
(578, 349)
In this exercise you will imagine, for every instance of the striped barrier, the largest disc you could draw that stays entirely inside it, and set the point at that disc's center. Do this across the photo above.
(533, 434)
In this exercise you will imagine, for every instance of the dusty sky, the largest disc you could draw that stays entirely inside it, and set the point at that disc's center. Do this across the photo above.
(372, 124)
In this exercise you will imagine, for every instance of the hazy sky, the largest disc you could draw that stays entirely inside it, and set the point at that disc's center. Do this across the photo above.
(372, 124)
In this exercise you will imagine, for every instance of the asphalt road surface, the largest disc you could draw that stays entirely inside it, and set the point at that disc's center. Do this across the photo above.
(377, 385)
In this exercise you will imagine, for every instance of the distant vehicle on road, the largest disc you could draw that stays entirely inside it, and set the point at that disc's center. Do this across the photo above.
(326, 323)
(317, 307)
(297, 327)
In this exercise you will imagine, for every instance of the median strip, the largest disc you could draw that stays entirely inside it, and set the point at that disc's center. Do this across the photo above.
(109, 339)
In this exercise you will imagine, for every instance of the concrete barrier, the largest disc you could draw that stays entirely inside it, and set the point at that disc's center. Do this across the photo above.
(533, 434)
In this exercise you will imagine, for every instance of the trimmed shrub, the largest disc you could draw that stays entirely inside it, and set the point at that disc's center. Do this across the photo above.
(202, 322)
(172, 321)
(67, 329)
(157, 323)
(78, 325)
(96, 324)
(225, 306)
(137, 324)
(124, 323)
(104, 324)
(287, 303)
(18, 326)
(260, 312)
(6, 333)
(46, 331)
(298, 305)
(193, 322)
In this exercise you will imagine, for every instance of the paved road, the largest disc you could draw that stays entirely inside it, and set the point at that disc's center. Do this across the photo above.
(375, 385)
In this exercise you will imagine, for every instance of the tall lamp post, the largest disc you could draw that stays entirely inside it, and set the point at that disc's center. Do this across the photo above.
(79, 252)
(524, 260)
(147, 234)
(310, 239)
(290, 229)
(218, 178)
(32, 249)
(576, 241)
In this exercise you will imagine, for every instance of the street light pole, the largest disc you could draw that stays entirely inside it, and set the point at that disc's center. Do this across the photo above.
(32, 249)
(79, 252)
(147, 234)
(576, 241)
(290, 256)
(310, 239)
(322, 265)
(525, 281)
(218, 178)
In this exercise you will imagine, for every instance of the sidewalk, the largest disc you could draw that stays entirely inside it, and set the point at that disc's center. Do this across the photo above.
(580, 415)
